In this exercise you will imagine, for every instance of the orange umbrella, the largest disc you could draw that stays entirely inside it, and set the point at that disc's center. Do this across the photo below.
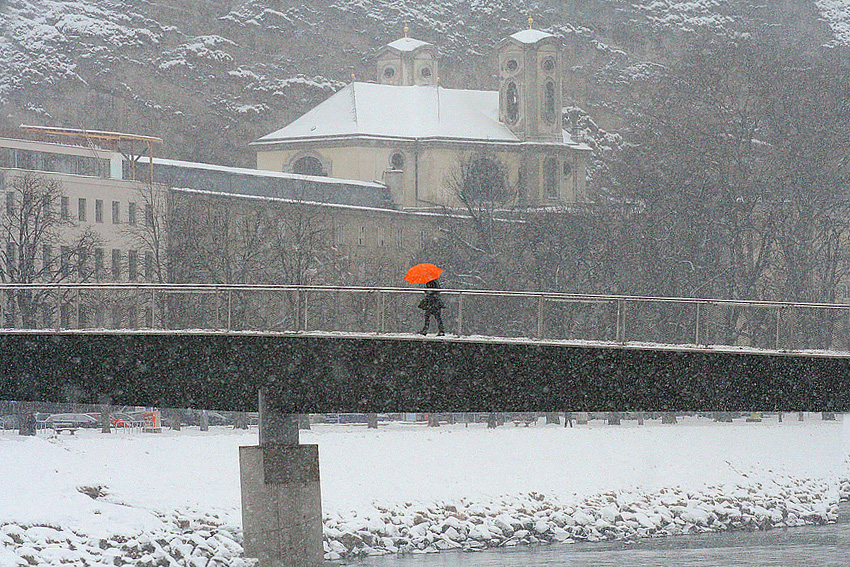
(422, 273)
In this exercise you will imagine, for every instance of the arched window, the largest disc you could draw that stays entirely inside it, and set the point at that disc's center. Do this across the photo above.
(511, 103)
(308, 165)
(397, 161)
(549, 102)
(550, 177)
(483, 179)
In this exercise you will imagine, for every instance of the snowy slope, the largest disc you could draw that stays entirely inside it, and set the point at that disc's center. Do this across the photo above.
(181, 69)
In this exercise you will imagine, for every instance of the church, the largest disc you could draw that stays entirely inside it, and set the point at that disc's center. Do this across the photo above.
(409, 133)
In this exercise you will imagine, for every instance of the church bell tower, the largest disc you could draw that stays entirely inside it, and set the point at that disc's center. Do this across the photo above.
(530, 85)
(407, 62)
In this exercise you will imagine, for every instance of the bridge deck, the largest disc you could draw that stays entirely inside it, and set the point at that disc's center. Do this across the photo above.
(348, 372)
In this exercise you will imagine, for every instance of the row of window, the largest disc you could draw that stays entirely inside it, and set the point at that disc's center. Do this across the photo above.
(382, 236)
(132, 263)
(83, 210)
(48, 161)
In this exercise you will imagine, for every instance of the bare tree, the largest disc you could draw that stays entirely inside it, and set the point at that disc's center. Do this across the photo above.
(41, 246)
(475, 247)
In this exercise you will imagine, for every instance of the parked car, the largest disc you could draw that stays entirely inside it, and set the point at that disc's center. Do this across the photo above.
(72, 419)
(9, 422)
(115, 420)
(128, 420)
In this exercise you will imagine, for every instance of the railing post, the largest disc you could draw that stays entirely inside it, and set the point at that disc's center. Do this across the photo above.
(297, 322)
(696, 337)
(540, 317)
(778, 313)
(381, 309)
(459, 314)
(305, 310)
(229, 309)
(153, 308)
(619, 331)
(58, 308)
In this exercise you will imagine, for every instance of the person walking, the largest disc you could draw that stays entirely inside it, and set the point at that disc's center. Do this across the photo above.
(432, 305)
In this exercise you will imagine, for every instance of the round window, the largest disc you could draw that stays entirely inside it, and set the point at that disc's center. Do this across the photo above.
(548, 64)
(425, 72)
(397, 161)
(389, 72)
(511, 65)
(567, 168)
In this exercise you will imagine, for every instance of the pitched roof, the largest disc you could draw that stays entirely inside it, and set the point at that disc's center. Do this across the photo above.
(426, 111)
(531, 36)
(388, 111)
(407, 44)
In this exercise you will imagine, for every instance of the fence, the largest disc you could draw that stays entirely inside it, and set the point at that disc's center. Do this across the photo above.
(391, 310)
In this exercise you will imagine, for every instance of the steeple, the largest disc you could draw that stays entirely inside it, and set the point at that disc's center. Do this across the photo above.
(407, 61)
(530, 84)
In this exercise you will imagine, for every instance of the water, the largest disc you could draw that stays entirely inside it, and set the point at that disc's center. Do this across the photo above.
(808, 546)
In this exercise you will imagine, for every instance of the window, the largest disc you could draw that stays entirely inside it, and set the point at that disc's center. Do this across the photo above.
(549, 103)
(308, 165)
(389, 72)
(421, 239)
(397, 161)
(46, 207)
(81, 209)
(149, 266)
(131, 213)
(361, 239)
(133, 265)
(116, 264)
(65, 260)
(63, 208)
(548, 64)
(98, 210)
(82, 263)
(10, 203)
(116, 212)
(381, 236)
(511, 65)
(47, 258)
(550, 176)
(511, 103)
(399, 237)
(425, 72)
(98, 263)
(148, 215)
(567, 168)
(10, 257)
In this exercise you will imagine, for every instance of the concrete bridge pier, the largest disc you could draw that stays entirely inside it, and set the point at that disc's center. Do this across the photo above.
(281, 496)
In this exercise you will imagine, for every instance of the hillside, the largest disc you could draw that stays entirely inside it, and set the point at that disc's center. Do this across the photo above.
(210, 76)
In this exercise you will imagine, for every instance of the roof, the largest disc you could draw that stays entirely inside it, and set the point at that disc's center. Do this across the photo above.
(531, 36)
(411, 112)
(407, 44)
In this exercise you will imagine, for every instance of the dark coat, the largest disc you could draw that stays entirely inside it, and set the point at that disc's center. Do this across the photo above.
(432, 303)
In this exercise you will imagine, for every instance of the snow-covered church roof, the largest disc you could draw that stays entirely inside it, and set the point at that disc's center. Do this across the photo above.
(412, 112)
(407, 44)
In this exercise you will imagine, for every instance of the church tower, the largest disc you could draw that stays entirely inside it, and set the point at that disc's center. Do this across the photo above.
(406, 62)
(530, 85)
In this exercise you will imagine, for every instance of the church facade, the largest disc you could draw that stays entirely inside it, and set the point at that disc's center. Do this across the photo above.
(411, 134)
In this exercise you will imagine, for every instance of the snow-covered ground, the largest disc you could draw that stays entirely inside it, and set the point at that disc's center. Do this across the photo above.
(173, 498)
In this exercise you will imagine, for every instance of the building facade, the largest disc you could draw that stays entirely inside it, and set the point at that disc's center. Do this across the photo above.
(413, 135)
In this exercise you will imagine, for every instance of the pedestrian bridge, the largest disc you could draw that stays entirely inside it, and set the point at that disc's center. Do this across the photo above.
(349, 349)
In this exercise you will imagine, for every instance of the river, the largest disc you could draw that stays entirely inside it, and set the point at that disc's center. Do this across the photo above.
(808, 546)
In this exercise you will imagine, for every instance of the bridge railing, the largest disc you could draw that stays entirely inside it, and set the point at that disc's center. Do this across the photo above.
(496, 313)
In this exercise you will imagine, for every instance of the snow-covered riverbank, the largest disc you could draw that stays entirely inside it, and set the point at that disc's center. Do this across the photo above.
(173, 498)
